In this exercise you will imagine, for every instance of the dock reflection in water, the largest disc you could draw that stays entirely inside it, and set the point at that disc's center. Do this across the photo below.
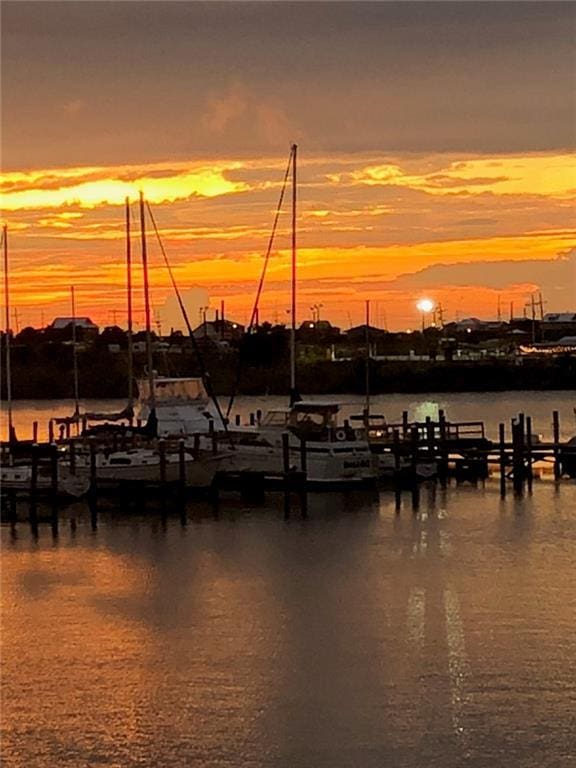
(355, 638)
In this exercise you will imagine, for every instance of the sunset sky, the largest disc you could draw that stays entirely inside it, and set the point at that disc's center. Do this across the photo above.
(435, 140)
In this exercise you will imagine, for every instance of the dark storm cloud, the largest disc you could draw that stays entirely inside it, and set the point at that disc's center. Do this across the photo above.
(103, 82)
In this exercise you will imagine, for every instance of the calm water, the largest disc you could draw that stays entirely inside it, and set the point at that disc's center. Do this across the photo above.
(491, 407)
(355, 638)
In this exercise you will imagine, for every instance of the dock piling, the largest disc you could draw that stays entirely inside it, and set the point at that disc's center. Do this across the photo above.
(556, 444)
(502, 458)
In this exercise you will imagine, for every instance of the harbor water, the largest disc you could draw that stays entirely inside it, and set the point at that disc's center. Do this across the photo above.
(357, 637)
(489, 407)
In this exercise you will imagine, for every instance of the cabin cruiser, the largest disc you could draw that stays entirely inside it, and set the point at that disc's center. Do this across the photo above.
(182, 405)
(335, 456)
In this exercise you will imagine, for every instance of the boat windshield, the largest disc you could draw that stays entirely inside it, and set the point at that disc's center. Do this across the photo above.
(312, 424)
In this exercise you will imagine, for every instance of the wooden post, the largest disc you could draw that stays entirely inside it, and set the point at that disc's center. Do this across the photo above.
(443, 462)
(258, 415)
(162, 454)
(396, 450)
(405, 423)
(34, 431)
(522, 444)
(415, 496)
(517, 456)
(415, 486)
(502, 458)
(556, 446)
(397, 485)
(303, 455)
(196, 448)
(34, 481)
(414, 449)
(429, 437)
(54, 470)
(50, 431)
(67, 430)
(182, 463)
(182, 480)
(72, 453)
(286, 472)
(303, 495)
(529, 469)
(93, 472)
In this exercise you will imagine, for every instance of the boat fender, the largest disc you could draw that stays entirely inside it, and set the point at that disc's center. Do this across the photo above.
(340, 434)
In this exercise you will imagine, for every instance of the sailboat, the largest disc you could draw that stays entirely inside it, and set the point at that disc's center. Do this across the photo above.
(16, 476)
(7, 334)
(156, 395)
(336, 456)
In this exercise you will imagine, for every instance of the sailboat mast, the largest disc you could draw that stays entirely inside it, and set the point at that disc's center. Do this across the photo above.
(75, 355)
(147, 305)
(367, 406)
(129, 297)
(8, 361)
(293, 313)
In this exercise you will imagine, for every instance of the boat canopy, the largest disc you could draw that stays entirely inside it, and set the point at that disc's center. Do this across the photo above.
(173, 389)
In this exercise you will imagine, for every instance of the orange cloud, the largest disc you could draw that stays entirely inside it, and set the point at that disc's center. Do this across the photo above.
(362, 222)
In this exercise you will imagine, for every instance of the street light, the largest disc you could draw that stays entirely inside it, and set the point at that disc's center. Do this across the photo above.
(424, 306)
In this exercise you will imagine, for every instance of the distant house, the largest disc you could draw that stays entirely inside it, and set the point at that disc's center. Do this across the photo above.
(317, 331)
(470, 324)
(358, 333)
(554, 325)
(60, 323)
(219, 330)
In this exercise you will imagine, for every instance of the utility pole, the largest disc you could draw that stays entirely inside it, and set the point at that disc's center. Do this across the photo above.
(541, 305)
(440, 315)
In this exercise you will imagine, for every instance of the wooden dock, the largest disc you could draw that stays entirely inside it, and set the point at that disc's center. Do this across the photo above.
(459, 451)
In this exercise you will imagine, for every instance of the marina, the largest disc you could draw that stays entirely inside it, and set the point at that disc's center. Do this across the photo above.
(288, 384)
(217, 465)
(357, 636)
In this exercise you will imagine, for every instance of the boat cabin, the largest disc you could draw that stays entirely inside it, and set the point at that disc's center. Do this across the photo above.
(173, 391)
(310, 420)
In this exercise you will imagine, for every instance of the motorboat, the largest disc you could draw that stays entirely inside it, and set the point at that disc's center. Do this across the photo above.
(335, 455)
(19, 477)
(182, 405)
